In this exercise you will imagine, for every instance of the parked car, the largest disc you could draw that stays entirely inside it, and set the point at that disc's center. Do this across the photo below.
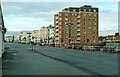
(117, 50)
(69, 47)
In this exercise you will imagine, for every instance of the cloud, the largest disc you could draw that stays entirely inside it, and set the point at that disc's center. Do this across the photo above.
(33, 15)
(107, 32)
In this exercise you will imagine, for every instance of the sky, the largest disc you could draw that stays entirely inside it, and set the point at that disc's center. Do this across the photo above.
(22, 16)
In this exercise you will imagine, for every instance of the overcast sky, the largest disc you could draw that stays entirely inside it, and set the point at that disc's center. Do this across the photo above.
(19, 16)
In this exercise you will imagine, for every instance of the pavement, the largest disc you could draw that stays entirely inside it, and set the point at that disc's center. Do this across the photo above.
(21, 60)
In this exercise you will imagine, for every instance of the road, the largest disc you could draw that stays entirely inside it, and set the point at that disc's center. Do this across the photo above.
(21, 60)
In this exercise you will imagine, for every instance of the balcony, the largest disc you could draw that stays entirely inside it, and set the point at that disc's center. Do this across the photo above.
(56, 17)
(78, 29)
(57, 26)
(56, 30)
(78, 38)
(78, 25)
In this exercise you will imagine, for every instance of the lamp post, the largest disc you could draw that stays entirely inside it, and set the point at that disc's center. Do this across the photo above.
(53, 42)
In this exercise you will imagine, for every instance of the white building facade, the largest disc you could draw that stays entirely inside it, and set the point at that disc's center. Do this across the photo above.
(51, 35)
(2, 32)
(25, 37)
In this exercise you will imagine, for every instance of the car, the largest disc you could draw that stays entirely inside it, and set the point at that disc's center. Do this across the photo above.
(117, 50)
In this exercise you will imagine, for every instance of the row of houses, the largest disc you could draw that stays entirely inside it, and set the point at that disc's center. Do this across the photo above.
(110, 41)
(2, 32)
(44, 35)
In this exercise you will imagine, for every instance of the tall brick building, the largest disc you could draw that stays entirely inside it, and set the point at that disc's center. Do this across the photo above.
(77, 25)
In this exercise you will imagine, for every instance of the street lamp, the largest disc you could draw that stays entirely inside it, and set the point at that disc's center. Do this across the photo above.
(53, 42)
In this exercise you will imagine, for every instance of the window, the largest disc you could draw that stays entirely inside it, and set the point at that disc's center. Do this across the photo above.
(73, 18)
(56, 23)
(94, 41)
(60, 18)
(84, 14)
(94, 33)
(66, 18)
(94, 28)
(72, 26)
(78, 26)
(72, 23)
(84, 10)
(89, 14)
(94, 10)
(78, 22)
(94, 15)
(60, 23)
(78, 31)
(78, 35)
(84, 36)
(73, 14)
(84, 32)
(89, 27)
(89, 23)
(60, 14)
(84, 23)
(84, 40)
(66, 14)
(94, 23)
(94, 19)
(66, 31)
(60, 27)
(74, 10)
(78, 18)
(89, 10)
(66, 23)
(84, 27)
(66, 36)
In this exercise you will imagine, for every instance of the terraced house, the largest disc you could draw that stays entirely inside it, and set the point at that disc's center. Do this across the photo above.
(77, 25)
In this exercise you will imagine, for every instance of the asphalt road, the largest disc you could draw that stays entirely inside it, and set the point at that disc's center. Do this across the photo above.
(94, 62)
(21, 60)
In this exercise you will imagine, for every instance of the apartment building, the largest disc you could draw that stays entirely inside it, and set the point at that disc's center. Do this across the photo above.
(2, 32)
(50, 35)
(113, 41)
(25, 37)
(44, 35)
(9, 38)
(35, 36)
(77, 25)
